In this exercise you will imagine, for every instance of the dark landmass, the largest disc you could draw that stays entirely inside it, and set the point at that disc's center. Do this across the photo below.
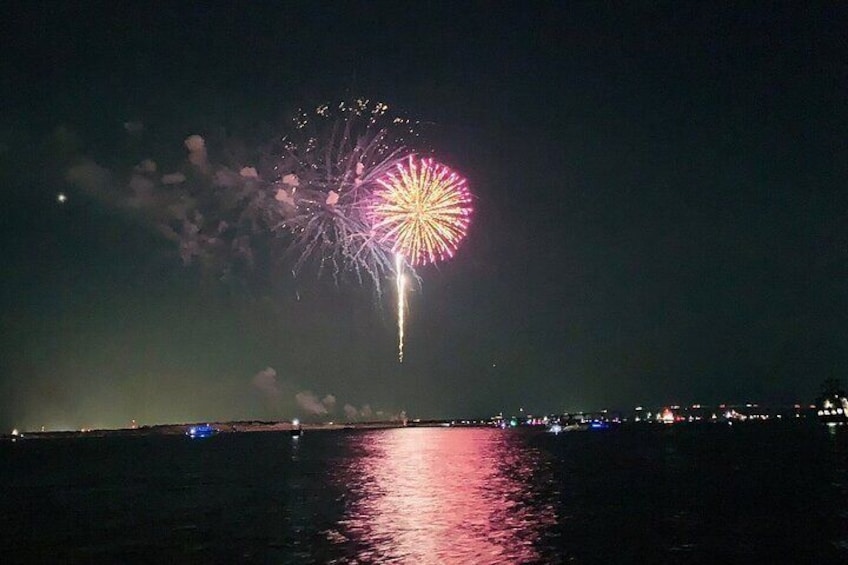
(237, 427)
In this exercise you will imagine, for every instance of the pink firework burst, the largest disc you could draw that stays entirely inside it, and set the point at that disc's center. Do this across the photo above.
(421, 209)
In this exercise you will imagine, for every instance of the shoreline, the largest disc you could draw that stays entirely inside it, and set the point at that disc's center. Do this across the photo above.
(182, 429)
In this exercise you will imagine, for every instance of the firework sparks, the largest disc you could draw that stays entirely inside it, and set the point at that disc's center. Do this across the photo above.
(421, 209)
(329, 177)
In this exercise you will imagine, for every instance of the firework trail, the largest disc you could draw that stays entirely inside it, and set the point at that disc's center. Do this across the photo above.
(401, 301)
(421, 211)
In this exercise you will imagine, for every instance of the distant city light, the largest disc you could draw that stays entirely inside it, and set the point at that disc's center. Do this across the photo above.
(61, 198)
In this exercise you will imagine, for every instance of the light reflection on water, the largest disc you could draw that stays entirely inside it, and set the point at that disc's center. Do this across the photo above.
(437, 496)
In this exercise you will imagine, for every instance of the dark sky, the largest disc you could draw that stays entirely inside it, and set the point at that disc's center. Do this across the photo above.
(661, 208)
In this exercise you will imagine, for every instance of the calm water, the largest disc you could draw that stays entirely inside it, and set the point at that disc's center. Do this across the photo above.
(757, 493)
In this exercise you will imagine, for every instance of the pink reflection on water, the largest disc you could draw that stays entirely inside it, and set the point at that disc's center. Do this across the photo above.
(446, 496)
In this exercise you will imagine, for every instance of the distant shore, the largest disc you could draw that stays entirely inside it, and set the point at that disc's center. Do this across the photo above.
(243, 426)
(694, 415)
(221, 427)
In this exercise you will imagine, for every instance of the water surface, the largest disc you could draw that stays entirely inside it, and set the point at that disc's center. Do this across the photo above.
(770, 493)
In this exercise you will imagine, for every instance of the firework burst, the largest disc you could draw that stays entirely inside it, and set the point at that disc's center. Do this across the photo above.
(421, 210)
(326, 180)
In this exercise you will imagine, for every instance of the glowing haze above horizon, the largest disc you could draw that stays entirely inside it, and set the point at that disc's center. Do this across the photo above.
(659, 210)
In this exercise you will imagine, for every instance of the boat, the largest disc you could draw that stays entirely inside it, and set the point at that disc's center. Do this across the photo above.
(203, 431)
(832, 405)
(296, 431)
(557, 428)
(833, 410)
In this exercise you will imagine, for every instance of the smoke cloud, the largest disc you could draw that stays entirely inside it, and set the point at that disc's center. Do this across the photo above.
(146, 166)
(249, 173)
(329, 402)
(197, 155)
(173, 178)
(266, 381)
(350, 412)
(227, 178)
(310, 403)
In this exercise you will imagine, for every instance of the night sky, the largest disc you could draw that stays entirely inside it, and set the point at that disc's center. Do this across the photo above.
(660, 209)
